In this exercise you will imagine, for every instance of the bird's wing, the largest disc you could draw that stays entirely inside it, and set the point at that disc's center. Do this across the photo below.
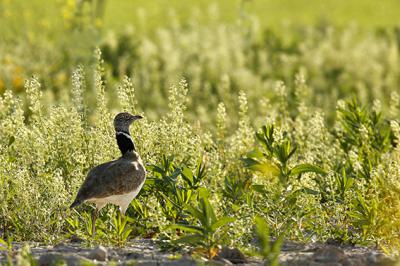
(112, 178)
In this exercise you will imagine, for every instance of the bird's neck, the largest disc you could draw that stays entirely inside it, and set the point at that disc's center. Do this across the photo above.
(125, 142)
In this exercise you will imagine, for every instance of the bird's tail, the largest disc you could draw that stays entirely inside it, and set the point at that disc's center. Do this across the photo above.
(75, 203)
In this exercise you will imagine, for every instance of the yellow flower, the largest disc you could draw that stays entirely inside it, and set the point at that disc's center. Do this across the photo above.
(68, 11)
(7, 60)
(98, 22)
(61, 78)
(18, 80)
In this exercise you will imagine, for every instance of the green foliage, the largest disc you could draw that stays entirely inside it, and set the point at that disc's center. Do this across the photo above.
(193, 180)
(52, 149)
(235, 189)
(332, 172)
(113, 228)
(7, 247)
(121, 229)
(173, 193)
(233, 57)
(365, 132)
(206, 226)
(274, 158)
(270, 250)
(24, 257)
(343, 183)
(364, 216)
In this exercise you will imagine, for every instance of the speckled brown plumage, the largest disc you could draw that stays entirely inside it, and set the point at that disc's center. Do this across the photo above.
(113, 178)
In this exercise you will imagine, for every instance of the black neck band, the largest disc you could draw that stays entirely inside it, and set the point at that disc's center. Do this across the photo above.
(125, 142)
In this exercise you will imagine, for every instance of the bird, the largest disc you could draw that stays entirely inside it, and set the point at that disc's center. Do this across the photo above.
(118, 181)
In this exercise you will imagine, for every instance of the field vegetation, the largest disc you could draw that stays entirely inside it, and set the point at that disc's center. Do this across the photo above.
(290, 130)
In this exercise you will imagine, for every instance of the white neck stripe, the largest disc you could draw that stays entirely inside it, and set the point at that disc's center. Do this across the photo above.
(125, 134)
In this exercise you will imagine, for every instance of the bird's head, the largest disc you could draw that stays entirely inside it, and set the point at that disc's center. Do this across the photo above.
(122, 121)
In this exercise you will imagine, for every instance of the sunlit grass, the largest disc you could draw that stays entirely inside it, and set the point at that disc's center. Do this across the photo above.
(120, 13)
(297, 126)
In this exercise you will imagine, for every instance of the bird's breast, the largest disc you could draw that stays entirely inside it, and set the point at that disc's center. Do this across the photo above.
(120, 199)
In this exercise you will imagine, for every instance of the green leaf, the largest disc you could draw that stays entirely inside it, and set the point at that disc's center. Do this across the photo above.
(259, 188)
(127, 233)
(262, 231)
(196, 213)
(169, 200)
(249, 162)
(255, 154)
(276, 248)
(203, 192)
(3, 245)
(310, 191)
(292, 151)
(184, 196)
(187, 228)
(155, 168)
(151, 181)
(208, 211)
(235, 207)
(11, 141)
(266, 168)
(349, 183)
(129, 219)
(175, 174)
(307, 168)
(190, 239)
(261, 137)
(221, 222)
(187, 175)
(200, 170)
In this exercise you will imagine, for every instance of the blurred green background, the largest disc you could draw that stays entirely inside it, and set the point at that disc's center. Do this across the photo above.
(369, 13)
(343, 48)
(119, 13)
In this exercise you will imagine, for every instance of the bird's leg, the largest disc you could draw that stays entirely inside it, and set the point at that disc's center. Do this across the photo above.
(95, 213)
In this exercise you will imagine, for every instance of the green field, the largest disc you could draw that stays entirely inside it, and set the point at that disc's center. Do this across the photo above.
(367, 13)
(119, 13)
(261, 118)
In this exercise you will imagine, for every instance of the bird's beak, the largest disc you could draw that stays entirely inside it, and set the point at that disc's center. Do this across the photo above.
(136, 117)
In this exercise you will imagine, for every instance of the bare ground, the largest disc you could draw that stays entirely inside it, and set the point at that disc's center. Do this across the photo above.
(145, 252)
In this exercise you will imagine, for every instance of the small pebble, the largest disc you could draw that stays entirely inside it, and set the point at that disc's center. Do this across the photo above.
(99, 254)
(329, 254)
(233, 255)
(50, 259)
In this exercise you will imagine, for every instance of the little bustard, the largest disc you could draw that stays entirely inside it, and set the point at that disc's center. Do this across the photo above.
(119, 181)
